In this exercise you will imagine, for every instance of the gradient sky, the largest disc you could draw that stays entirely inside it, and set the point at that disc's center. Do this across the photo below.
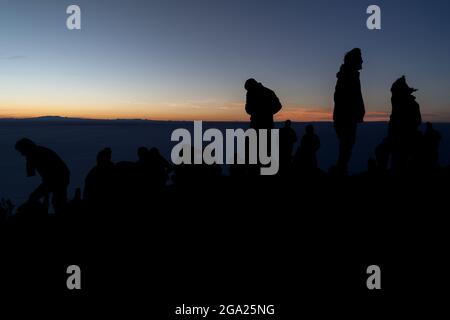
(189, 59)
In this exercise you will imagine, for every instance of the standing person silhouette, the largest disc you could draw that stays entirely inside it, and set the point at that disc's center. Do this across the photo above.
(404, 125)
(349, 107)
(262, 104)
(288, 138)
(305, 157)
(53, 171)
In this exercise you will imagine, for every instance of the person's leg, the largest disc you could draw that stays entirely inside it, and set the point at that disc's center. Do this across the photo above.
(338, 130)
(351, 139)
(347, 138)
(341, 135)
(59, 198)
(401, 153)
(41, 191)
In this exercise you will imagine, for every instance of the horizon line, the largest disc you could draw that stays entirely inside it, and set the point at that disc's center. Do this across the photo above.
(371, 117)
(163, 120)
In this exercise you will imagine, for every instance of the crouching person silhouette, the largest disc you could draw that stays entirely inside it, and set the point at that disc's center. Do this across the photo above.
(53, 171)
(349, 107)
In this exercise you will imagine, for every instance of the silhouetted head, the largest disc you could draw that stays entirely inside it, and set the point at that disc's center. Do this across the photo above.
(104, 156)
(142, 153)
(251, 84)
(401, 87)
(309, 129)
(354, 59)
(25, 146)
(288, 123)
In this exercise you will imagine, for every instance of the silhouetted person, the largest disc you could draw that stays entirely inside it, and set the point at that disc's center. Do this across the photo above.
(143, 175)
(99, 182)
(262, 104)
(199, 175)
(129, 185)
(185, 174)
(76, 204)
(288, 138)
(153, 170)
(53, 171)
(305, 157)
(160, 168)
(349, 107)
(382, 155)
(142, 153)
(373, 172)
(32, 211)
(6, 209)
(404, 125)
(372, 168)
(431, 140)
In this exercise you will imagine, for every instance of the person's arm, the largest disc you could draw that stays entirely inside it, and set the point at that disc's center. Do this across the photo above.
(249, 105)
(418, 113)
(276, 105)
(362, 108)
(359, 102)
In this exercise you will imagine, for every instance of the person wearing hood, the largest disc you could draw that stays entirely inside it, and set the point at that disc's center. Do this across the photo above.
(349, 107)
(404, 124)
(262, 104)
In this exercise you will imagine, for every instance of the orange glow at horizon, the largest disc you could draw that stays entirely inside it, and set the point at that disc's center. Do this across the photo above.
(176, 112)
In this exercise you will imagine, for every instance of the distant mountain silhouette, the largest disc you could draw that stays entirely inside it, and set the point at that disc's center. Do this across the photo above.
(59, 119)
(46, 119)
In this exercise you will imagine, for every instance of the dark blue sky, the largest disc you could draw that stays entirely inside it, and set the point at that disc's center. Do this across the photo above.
(189, 59)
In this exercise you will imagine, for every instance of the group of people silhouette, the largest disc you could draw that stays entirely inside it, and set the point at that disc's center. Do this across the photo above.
(404, 150)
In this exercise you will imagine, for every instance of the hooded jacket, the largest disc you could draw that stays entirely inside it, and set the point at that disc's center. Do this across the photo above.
(348, 100)
(262, 103)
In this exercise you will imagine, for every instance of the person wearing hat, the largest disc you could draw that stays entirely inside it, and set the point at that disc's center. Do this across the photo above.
(404, 123)
(349, 107)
